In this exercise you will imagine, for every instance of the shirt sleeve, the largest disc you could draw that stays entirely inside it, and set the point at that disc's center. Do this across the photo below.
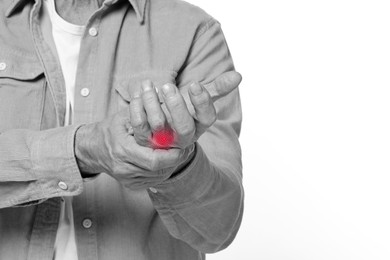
(38, 165)
(203, 205)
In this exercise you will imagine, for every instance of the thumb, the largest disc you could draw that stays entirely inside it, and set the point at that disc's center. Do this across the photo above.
(224, 84)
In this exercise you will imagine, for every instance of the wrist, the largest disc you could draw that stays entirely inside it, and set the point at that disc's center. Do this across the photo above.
(182, 166)
(84, 150)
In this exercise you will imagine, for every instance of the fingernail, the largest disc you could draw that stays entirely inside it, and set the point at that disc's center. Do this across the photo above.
(168, 90)
(147, 86)
(196, 89)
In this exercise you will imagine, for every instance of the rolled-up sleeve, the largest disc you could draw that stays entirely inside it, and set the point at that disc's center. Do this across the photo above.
(38, 165)
(203, 205)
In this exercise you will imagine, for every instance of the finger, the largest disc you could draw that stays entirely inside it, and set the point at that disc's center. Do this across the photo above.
(122, 118)
(182, 121)
(204, 108)
(221, 86)
(138, 121)
(224, 84)
(154, 113)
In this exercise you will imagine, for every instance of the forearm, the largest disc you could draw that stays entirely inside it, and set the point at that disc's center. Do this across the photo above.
(202, 206)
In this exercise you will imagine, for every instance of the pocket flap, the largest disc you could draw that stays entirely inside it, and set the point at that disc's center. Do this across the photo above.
(19, 66)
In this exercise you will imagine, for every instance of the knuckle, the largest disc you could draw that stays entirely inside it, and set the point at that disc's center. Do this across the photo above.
(173, 102)
(149, 96)
(202, 101)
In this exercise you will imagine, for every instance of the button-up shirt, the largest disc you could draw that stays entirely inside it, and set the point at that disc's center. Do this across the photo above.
(197, 211)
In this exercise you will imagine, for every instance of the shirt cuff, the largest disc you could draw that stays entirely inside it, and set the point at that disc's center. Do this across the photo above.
(187, 186)
(54, 166)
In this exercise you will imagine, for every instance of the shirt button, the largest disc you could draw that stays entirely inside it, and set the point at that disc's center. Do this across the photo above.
(153, 190)
(85, 92)
(93, 31)
(62, 185)
(3, 65)
(87, 223)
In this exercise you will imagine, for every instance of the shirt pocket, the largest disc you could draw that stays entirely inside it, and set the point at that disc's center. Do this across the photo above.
(128, 86)
(22, 88)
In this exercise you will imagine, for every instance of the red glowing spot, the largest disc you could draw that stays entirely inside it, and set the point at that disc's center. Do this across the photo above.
(163, 138)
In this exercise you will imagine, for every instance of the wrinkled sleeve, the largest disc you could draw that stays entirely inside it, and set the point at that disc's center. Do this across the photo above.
(203, 204)
(37, 165)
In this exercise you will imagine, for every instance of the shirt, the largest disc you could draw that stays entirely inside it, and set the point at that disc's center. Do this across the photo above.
(67, 39)
(168, 41)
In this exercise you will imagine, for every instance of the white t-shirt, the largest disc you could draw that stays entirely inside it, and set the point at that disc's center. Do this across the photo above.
(67, 38)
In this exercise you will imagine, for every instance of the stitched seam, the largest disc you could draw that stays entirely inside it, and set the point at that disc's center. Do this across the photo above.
(211, 23)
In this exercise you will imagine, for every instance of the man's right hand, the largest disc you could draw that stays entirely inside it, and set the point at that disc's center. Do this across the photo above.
(109, 146)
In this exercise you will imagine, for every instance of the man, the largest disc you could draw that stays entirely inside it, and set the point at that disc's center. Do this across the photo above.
(109, 146)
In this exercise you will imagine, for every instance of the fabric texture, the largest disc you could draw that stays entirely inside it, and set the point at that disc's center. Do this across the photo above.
(67, 39)
(199, 211)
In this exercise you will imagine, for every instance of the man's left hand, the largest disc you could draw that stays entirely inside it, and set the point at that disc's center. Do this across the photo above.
(172, 124)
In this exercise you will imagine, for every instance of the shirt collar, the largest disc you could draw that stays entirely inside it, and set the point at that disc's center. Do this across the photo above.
(138, 5)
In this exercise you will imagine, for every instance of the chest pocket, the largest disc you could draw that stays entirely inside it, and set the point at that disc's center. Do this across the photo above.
(22, 87)
(126, 87)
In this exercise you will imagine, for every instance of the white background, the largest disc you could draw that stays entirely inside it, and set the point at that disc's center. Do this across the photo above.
(316, 130)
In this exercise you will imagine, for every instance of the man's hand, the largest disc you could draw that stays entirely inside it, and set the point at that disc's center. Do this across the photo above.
(113, 145)
(184, 116)
(110, 147)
